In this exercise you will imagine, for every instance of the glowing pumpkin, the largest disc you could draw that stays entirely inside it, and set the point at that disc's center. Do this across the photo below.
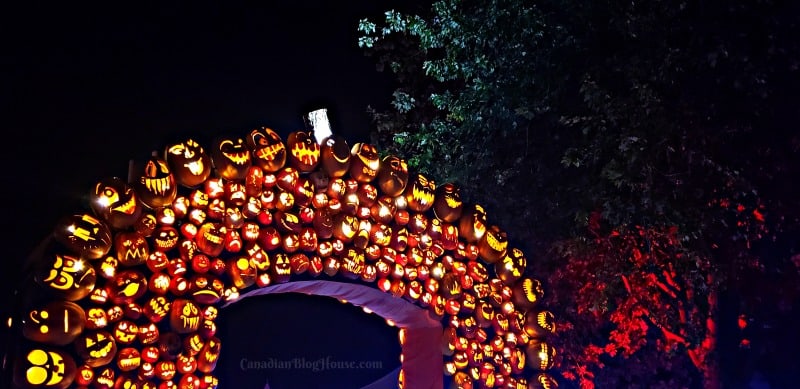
(335, 155)
(189, 162)
(231, 158)
(156, 184)
(447, 205)
(392, 175)
(304, 151)
(96, 348)
(364, 163)
(67, 277)
(419, 193)
(44, 368)
(84, 235)
(114, 201)
(267, 149)
(57, 323)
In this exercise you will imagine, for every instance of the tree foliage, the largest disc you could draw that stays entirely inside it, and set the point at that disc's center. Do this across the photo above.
(643, 116)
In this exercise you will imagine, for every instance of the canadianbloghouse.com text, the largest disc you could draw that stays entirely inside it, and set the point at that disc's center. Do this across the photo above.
(313, 365)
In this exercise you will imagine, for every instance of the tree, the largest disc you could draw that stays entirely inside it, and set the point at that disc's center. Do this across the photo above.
(602, 123)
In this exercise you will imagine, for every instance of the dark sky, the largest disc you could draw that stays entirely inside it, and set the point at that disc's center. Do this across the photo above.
(87, 88)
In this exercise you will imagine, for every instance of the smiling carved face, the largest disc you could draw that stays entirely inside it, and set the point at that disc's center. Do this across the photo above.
(189, 162)
(231, 158)
(267, 149)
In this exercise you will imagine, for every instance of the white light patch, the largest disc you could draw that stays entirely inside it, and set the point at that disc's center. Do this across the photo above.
(321, 125)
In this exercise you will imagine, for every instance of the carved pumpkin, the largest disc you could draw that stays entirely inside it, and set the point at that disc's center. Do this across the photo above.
(96, 348)
(44, 368)
(540, 355)
(57, 323)
(364, 163)
(267, 149)
(448, 205)
(542, 381)
(392, 175)
(184, 316)
(189, 162)
(419, 193)
(527, 293)
(472, 224)
(114, 201)
(335, 155)
(156, 184)
(231, 158)
(540, 324)
(84, 235)
(131, 248)
(67, 277)
(304, 152)
(494, 245)
(126, 287)
(511, 268)
(210, 239)
(165, 238)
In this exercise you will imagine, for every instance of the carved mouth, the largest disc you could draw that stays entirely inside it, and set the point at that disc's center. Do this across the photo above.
(530, 290)
(238, 157)
(190, 322)
(308, 155)
(271, 152)
(135, 253)
(166, 243)
(128, 207)
(452, 201)
(196, 168)
(494, 243)
(101, 352)
(211, 237)
(158, 186)
(423, 195)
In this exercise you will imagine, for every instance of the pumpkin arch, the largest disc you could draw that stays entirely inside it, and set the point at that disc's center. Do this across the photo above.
(134, 284)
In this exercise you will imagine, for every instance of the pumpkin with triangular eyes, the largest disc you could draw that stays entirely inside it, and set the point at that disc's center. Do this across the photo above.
(40, 367)
(447, 205)
(420, 193)
(231, 158)
(155, 184)
(96, 348)
(189, 162)
(116, 202)
(267, 148)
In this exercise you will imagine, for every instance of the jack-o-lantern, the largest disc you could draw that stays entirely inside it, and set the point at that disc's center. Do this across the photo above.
(184, 316)
(420, 193)
(189, 162)
(304, 151)
(392, 175)
(131, 248)
(282, 268)
(44, 368)
(448, 205)
(206, 289)
(156, 184)
(472, 224)
(210, 238)
(231, 158)
(511, 268)
(128, 359)
(146, 224)
(165, 238)
(96, 348)
(540, 355)
(156, 308)
(127, 286)
(267, 149)
(208, 356)
(527, 293)
(540, 324)
(494, 245)
(57, 323)
(84, 235)
(67, 277)
(542, 381)
(364, 163)
(114, 201)
(335, 155)
(148, 333)
(125, 331)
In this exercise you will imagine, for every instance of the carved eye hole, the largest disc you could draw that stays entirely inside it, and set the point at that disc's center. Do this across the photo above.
(150, 169)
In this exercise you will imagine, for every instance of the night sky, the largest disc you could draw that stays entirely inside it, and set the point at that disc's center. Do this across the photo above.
(86, 89)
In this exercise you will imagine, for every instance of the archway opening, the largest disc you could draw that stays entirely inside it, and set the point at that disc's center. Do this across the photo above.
(297, 341)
